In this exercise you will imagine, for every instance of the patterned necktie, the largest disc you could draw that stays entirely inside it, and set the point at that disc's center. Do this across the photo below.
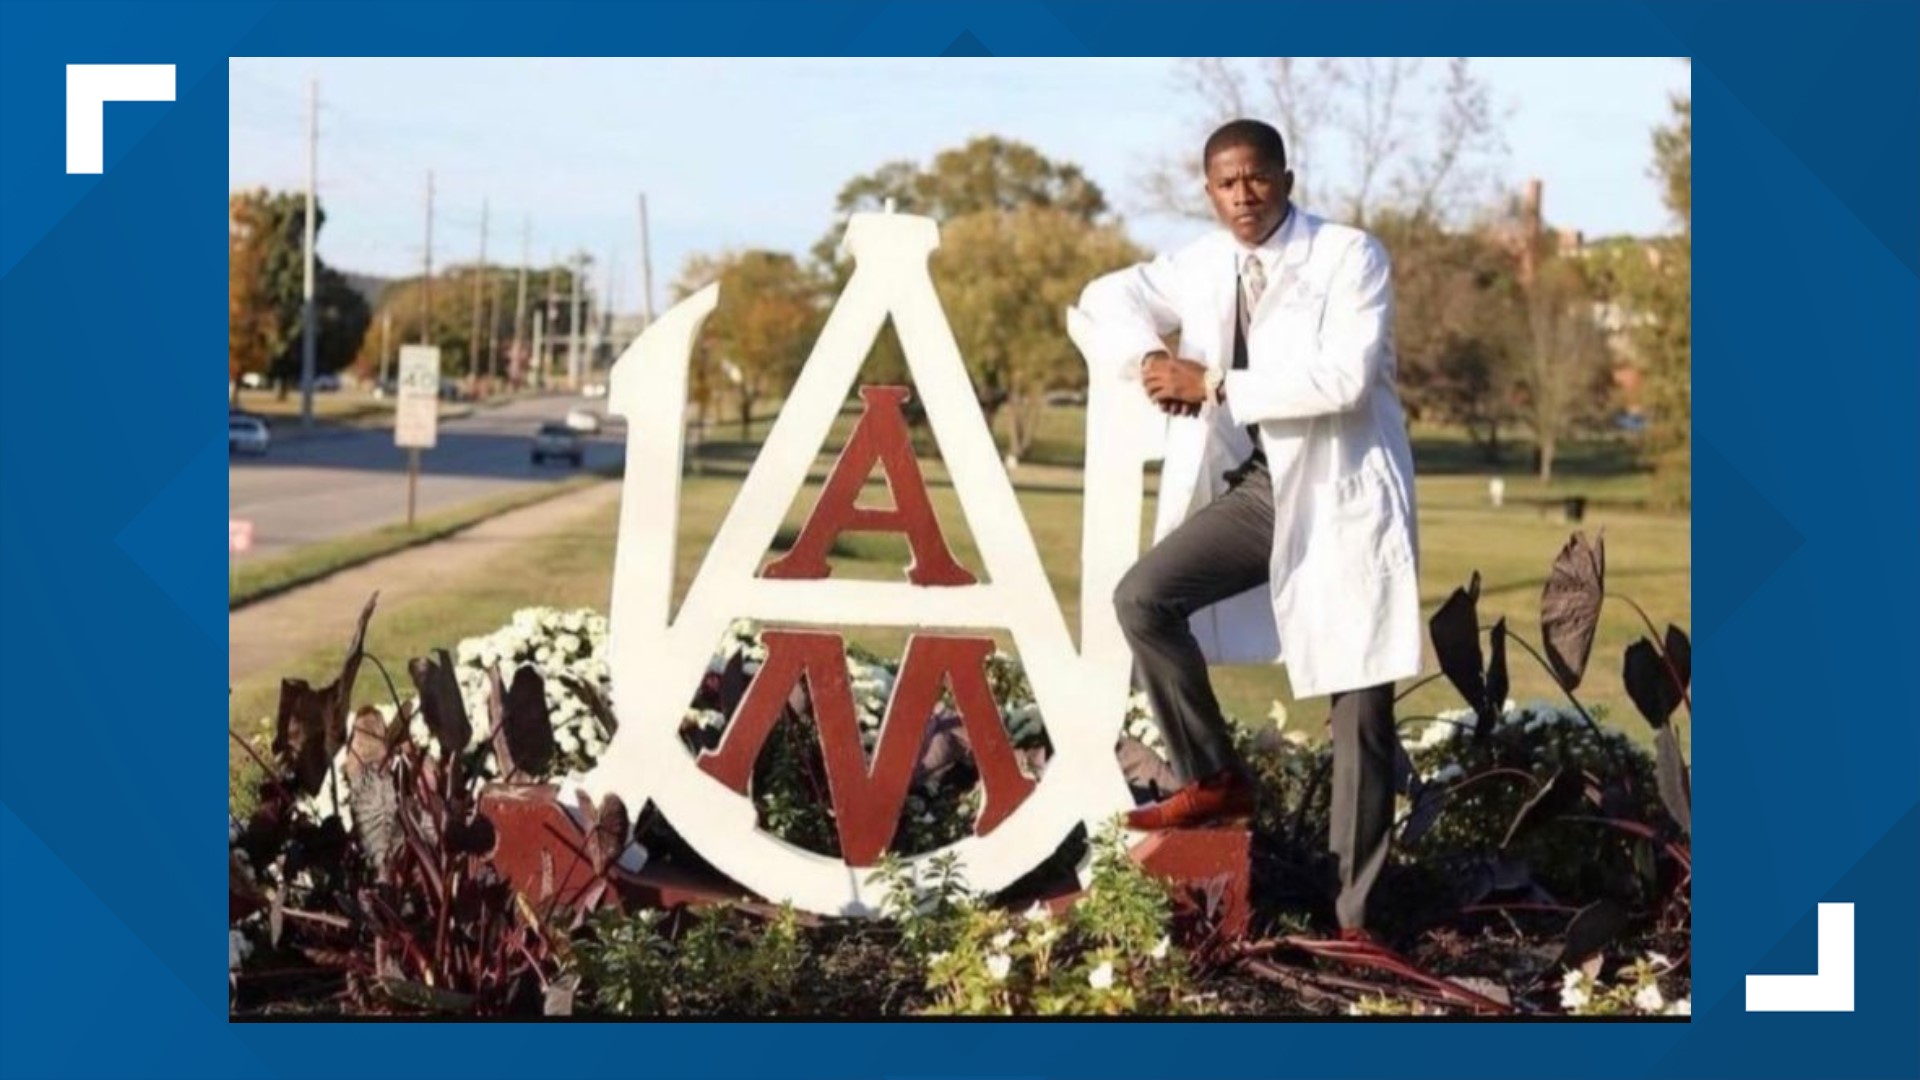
(1253, 282)
(1254, 279)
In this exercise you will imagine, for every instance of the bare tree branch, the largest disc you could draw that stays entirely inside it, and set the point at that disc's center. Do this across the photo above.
(1413, 142)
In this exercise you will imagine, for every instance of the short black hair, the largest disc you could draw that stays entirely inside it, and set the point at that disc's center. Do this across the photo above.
(1260, 137)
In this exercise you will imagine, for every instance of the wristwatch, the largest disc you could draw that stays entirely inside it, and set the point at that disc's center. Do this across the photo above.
(1215, 379)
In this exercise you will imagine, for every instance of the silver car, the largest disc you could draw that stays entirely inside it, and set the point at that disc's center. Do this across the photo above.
(558, 441)
(247, 435)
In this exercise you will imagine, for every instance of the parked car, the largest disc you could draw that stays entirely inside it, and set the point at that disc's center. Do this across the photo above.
(585, 420)
(558, 441)
(594, 390)
(247, 434)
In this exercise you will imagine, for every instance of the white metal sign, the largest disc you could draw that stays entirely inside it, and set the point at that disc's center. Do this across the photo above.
(416, 412)
(658, 658)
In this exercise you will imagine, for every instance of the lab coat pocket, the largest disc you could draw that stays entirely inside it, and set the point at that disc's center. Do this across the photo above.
(1360, 520)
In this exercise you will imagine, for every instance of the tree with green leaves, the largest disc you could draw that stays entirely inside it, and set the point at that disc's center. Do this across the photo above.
(453, 318)
(1005, 279)
(1457, 300)
(1567, 376)
(265, 283)
(1664, 338)
(770, 312)
(988, 175)
(1651, 281)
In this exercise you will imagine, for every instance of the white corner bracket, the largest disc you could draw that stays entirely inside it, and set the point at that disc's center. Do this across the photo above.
(89, 88)
(1830, 989)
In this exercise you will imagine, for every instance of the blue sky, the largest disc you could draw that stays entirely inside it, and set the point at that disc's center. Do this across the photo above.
(751, 153)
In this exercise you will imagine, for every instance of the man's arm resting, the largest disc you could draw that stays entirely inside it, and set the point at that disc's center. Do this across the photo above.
(1135, 310)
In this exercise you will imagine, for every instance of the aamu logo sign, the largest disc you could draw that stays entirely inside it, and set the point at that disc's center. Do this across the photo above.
(659, 655)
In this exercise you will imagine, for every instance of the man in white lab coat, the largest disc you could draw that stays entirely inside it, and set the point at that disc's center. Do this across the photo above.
(1285, 529)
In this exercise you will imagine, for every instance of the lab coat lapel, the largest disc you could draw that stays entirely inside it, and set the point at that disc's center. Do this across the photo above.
(1296, 240)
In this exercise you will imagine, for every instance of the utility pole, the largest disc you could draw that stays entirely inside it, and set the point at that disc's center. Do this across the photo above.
(493, 324)
(386, 341)
(574, 314)
(603, 326)
(475, 363)
(646, 269)
(539, 355)
(426, 338)
(426, 280)
(307, 327)
(547, 315)
(520, 304)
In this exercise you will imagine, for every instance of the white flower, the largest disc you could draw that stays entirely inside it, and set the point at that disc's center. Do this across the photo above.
(1659, 961)
(1101, 978)
(1573, 991)
(1278, 714)
(1683, 1007)
(936, 958)
(1003, 940)
(1038, 913)
(1160, 949)
(1648, 999)
(998, 965)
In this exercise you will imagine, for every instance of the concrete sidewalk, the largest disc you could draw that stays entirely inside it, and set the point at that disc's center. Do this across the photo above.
(263, 636)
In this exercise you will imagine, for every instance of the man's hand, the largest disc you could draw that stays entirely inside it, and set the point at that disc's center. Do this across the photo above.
(1176, 384)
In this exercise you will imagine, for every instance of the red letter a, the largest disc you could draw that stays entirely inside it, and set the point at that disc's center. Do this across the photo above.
(880, 436)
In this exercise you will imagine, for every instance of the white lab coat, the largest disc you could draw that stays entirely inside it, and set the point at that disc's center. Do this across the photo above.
(1342, 607)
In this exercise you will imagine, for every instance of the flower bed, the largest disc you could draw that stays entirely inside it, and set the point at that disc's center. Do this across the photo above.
(1542, 859)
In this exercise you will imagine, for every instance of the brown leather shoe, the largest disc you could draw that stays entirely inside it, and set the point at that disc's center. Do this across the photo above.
(1222, 797)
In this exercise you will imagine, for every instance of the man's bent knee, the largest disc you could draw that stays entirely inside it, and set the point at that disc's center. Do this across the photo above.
(1136, 602)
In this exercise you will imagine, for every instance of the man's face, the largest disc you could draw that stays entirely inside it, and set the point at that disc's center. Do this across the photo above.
(1248, 193)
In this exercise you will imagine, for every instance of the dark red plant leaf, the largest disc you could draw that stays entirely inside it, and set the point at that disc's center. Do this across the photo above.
(440, 704)
(1570, 606)
(475, 837)
(1672, 776)
(304, 742)
(611, 827)
(1649, 684)
(311, 725)
(1680, 655)
(1497, 684)
(1455, 630)
(1591, 929)
(523, 733)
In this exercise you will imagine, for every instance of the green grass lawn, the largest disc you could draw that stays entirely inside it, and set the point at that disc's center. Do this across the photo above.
(310, 562)
(340, 406)
(1648, 558)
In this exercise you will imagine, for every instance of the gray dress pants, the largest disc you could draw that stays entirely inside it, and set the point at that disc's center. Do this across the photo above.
(1219, 552)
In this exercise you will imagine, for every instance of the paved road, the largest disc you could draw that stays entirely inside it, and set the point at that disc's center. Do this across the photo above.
(338, 483)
